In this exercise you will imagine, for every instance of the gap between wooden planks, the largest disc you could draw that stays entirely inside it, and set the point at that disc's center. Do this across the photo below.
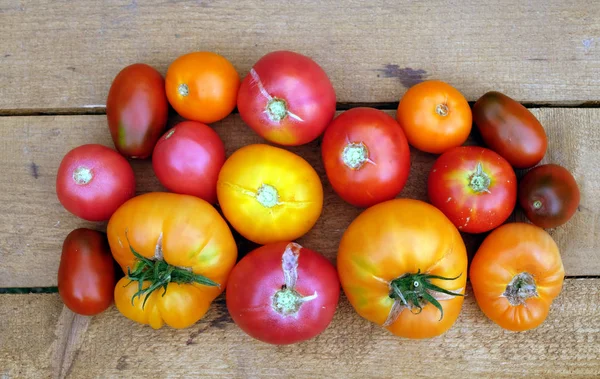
(39, 339)
(59, 55)
(35, 224)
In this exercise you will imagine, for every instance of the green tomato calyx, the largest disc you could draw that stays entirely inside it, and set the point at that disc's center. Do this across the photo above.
(521, 288)
(479, 181)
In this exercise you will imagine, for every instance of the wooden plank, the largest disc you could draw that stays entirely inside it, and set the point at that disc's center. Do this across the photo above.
(565, 345)
(35, 224)
(60, 56)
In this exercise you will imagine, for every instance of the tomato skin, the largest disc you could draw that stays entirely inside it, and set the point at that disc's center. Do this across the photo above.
(510, 129)
(202, 86)
(256, 279)
(549, 195)
(471, 210)
(393, 239)
(137, 110)
(86, 274)
(303, 86)
(383, 175)
(435, 116)
(106, 180)
(188, 158)
(183, 231)
(269, 194)
(507, 251)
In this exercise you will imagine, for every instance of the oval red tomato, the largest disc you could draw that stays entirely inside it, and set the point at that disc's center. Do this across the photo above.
(137, 110)
(287, 98)
(366, 156)
(188, 158)
(93, 181)
(549, 195)
(86, 274)
(510, 129)
(474, 187)
(283, 293)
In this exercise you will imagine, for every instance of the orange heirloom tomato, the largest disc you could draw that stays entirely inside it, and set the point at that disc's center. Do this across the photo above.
(435, 116)
(202, 86)
(177, 252)
(269, 194)
(403, 265)
(516, 274)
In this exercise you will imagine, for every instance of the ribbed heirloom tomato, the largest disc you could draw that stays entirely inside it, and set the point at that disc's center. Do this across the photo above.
(403, 265)
(269, 194)
(177, 252)
(516, 274)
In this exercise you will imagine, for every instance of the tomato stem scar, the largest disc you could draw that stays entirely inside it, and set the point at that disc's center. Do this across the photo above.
(355, 155)
(442, 110)
(82, 175)
(479, 181)
(537, 204)
(521, 288)
(287, 301)
(183, 89)
(267, 196)
(171, 132)
(277, 109)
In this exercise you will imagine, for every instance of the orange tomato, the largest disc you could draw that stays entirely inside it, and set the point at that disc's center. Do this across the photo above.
(403, 265)
(269, 194)
(202, 86)
(177, 252)
(435, 116)
(516, 274)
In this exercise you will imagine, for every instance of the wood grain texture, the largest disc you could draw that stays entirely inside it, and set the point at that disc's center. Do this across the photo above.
(58, 55)
(567, 344)
(35, 223)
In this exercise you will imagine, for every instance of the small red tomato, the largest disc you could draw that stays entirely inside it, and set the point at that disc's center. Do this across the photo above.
(137, 110)
(93, 181)
(283, 293)
(549, 195)
(188, 158)
(86, 274)
(366, 156)
(287, 98)
(474, 187)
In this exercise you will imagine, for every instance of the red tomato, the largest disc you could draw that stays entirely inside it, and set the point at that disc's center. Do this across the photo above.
(549, 195)
(366, 156)
(474, 187)
(188, 158)
(287, 98)
(283, 293)
(137, 110)
(86, 275)
(93, 181)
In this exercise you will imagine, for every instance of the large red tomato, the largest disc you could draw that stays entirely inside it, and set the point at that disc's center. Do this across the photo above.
(366, 156)
(86, 275)
(474, 187)
(287, 98)
(188, 158)
(93, 181)
(283, 293)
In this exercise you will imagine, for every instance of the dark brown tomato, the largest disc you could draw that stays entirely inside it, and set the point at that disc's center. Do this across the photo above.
(549, 195)
(137, 110)
(510, 129)
(86, 274)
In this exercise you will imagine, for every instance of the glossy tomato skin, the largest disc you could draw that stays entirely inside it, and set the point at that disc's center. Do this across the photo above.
(257, 279)
(474, 201)
(269, 194)
(187, 160)
(93, 181)
(435, 116)
(549, 195)
(182, 231)
(510, 129)
(366, 156)
(86, 274)
(511, 250)
(394, 239)
(137, 110)
(287, 98)
(202, 86)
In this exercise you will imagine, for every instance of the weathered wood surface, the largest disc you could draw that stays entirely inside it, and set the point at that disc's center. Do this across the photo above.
(567, 344)
(62, 56)
(35, 224)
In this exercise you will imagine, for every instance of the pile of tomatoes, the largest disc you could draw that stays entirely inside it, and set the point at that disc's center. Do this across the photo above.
(402, 263)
